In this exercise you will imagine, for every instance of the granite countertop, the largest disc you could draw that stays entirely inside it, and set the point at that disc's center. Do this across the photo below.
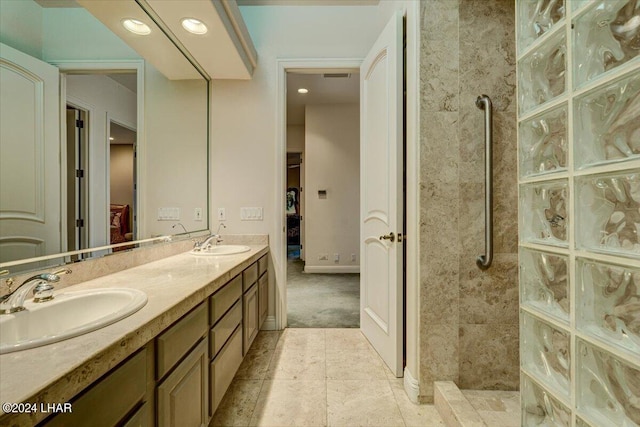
(56, 372)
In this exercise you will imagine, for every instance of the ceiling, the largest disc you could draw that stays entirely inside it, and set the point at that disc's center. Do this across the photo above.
(121, 135)
(322, 90)
(128, 80)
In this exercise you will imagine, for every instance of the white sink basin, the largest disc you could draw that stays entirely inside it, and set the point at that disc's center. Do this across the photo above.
(222, 250)
(68, 315)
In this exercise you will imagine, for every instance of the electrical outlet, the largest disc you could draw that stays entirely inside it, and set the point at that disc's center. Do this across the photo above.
(197, 214)
(336, 257)
(222, 215)
(323, 257)
(353, 257)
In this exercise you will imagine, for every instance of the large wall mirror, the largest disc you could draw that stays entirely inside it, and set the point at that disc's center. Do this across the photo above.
(97, 146)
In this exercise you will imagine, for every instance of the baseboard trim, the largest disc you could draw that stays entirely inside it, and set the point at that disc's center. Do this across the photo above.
(411, 386)
(269, 324)
(332, 269)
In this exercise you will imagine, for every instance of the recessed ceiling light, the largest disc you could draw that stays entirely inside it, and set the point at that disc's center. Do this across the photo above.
(136, 27)
(303, 90)
(194, 26)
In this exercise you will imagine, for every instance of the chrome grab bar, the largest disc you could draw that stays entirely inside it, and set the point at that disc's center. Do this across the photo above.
(484, 261)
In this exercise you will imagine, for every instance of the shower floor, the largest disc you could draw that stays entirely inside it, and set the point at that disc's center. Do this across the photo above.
(496, 408)
(475, 408)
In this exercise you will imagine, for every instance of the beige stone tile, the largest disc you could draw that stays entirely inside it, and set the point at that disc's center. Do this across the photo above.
(480, 347)
(454, 408)
(355, 365)
(487, 51)
(341, 339)
(362, 403)
(439, 289)
(291, 403)
(297, 363)
(266, 340)
(414, 415)
(440, 354)
(238, 403)
(439, 147)
(491, 296)
(500, 419)
(255, 364)
(302, 338)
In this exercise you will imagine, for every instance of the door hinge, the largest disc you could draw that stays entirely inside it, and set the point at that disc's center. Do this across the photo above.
(80, 124)
(300, 217)
(79, 223)
(79, 173)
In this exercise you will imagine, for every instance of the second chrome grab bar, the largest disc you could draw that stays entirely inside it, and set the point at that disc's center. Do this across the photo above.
(484, 261)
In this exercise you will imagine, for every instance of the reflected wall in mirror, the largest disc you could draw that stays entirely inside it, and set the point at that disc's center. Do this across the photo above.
(68, 85)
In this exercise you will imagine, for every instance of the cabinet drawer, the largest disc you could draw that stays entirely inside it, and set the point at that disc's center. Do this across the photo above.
(224, 298)
(223, 368)
(224, 328)
(111, 398)
(249, 276)
(178, 339)
(263, 265)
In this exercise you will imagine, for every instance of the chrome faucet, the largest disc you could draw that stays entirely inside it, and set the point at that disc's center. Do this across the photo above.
(206, 243)
(42, 291)
(183, 227)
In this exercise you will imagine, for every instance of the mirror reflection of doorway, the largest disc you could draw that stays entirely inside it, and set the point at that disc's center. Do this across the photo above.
(122, 152)
(294, 206)
(105, 96)
(77, 149)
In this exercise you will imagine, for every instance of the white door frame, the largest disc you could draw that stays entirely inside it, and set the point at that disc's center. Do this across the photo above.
(412, 211)
(103, 67)
(310, 66)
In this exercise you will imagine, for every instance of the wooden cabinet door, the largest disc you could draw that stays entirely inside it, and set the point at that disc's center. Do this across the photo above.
(250, 317)
(183, 397)
(263, 297)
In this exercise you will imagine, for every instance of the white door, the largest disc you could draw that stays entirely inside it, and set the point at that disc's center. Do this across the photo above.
(381, 214)
(29, 135)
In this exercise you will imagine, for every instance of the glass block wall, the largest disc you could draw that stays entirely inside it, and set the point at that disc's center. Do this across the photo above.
(579, 211)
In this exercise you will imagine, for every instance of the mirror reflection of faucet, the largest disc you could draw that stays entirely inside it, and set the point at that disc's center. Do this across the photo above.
(206, 243)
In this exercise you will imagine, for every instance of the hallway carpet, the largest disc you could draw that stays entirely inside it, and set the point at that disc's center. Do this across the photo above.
(321, 300)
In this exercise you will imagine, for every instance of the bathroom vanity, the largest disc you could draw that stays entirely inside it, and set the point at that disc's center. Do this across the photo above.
(168, 364)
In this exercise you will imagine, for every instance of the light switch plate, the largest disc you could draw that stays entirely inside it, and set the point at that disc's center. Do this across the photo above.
(222, 215)
(251, 214)
(168, 214)
(197, 214)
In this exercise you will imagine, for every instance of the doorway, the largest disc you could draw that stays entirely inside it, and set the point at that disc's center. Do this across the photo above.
(122, 182)
(77, 162)
(322, 198)
(108, 101)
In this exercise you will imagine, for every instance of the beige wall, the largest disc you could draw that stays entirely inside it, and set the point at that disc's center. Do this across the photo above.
(121, 174)
(332, 163)
(295, 139)
(176, 134)
(469, 318)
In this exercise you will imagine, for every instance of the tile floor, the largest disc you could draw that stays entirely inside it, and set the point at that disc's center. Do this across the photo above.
(318, 377)
(496, 408)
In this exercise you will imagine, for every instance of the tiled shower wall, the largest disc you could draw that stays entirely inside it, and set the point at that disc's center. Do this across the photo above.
(469, 318)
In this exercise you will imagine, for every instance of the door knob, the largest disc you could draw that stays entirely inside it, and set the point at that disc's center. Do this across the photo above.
(391, 237)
